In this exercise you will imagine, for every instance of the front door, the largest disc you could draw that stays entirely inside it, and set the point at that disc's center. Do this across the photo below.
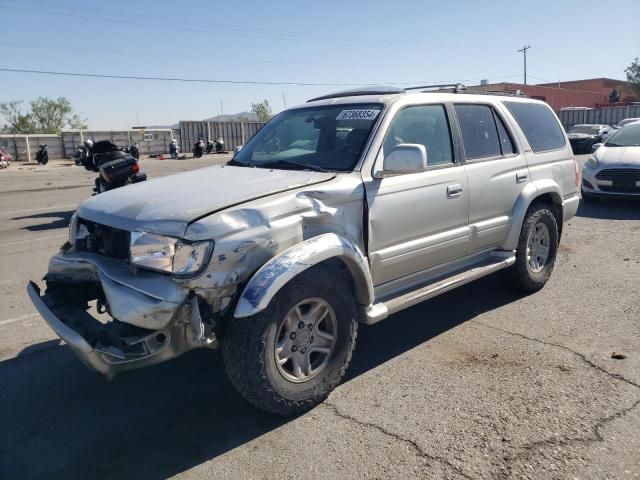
(418, 220)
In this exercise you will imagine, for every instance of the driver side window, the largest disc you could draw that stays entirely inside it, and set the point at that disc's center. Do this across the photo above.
(424, 125)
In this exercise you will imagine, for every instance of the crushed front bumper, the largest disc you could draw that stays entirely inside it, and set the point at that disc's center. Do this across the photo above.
(150, 320)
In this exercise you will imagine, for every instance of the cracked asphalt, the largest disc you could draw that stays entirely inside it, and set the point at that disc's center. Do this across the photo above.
(479, 383)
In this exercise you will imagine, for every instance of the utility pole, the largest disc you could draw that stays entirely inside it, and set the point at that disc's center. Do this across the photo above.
(524, 51)
(284, 100)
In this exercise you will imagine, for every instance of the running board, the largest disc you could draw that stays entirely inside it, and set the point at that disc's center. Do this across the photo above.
(380, 311)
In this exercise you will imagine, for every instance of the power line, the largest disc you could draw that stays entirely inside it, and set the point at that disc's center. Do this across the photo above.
(194, 80)
(143, 20)
(204, 57)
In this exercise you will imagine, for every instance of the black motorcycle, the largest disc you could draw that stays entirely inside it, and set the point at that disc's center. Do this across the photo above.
(210, 146)
(133, 150)
(115, 167)
(42, 156)
(198, 148)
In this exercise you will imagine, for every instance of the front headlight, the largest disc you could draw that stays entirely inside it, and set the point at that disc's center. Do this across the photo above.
(181, 258)
(73, 228)
(592, 162)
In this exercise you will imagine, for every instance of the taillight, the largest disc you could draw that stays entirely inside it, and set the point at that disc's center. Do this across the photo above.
(135, 167)
(575, 167)
(107, 175)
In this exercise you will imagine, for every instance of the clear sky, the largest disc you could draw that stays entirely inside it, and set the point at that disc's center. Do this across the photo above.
(331, 41)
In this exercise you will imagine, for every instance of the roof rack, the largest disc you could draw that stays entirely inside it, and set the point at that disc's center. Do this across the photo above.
(457, 87)
(504, 93)
(375, 90)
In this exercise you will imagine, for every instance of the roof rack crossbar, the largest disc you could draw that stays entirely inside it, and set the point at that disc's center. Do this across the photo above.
(377, 90)
(503, 93)
(457, 87)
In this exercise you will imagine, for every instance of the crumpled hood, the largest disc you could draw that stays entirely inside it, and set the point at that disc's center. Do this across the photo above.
(168, 204)
(619, 155)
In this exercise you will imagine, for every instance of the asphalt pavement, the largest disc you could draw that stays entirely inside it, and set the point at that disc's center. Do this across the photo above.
(479, 383)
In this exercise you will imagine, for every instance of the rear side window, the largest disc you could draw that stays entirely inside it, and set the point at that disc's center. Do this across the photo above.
(539, 125)
(479, 132)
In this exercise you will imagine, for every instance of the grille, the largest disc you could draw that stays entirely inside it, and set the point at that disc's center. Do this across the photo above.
(625, 174)
(108, 241)
(619, 188)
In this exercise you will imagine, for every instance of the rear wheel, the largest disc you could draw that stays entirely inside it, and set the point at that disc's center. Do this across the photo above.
(536, 252)
(289, 357)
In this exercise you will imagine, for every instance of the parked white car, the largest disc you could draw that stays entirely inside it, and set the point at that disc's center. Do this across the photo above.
(613, 170)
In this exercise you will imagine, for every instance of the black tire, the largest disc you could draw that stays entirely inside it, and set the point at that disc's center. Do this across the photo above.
(249, 354)
(521, 275)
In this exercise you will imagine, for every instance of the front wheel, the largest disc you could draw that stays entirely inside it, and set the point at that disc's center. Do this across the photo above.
(536, 252)
(289, 357)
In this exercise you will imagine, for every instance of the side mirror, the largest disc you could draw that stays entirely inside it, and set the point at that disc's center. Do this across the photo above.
(595, 146)
(405, 158)
(237, 149)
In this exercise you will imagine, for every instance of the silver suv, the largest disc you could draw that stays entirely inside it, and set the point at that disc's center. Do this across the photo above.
(341, 211)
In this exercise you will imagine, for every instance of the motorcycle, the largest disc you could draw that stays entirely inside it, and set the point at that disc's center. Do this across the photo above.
(78, 155)
(42, 156)
(133, 150)
(116, 168)
(173, 149)
(219, 145)
(198, 148)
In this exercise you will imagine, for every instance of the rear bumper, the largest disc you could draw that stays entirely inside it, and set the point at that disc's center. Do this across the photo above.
(570, 207)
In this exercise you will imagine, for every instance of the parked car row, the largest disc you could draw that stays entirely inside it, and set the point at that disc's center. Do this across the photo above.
(584, 136)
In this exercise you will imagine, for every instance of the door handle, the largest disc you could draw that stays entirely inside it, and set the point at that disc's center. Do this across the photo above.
(521, 177)
(454, 190)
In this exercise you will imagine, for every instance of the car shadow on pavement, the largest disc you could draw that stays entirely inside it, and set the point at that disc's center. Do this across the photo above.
(610, 209)
(60, 420)
(62, 220)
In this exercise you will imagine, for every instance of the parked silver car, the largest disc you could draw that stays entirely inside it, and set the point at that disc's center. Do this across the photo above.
(341, 211)
(613, 170)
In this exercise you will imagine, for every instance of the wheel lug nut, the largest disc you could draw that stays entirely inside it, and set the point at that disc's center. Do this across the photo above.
(294, 348)
(292, 336)
(310, 326)
(300, 324)
(303, 350)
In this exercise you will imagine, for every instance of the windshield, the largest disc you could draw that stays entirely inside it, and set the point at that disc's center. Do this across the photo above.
(622, 123)
(321, 138)
(590, 129)
(628, 136)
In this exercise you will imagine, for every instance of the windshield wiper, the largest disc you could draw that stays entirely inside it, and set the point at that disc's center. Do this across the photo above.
(290, 163)
(237, 163)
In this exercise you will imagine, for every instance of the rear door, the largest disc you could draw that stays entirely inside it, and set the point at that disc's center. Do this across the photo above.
(496, 170)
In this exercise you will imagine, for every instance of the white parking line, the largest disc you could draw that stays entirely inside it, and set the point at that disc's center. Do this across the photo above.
(19, 319)
(49, 237)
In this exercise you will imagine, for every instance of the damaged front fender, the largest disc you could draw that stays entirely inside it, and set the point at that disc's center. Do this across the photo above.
(274, 274)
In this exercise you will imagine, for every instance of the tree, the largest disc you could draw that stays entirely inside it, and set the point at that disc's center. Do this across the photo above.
(633, 76)
(262, 110)
(46, 116)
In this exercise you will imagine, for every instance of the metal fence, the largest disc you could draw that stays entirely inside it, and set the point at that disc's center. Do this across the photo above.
(233, 133)
(24, 147)
(604, 115)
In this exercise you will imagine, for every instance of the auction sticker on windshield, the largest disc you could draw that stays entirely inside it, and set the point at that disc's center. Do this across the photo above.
(358, 114)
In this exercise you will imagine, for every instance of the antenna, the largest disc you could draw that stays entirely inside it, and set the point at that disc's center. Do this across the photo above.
(524, 51)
